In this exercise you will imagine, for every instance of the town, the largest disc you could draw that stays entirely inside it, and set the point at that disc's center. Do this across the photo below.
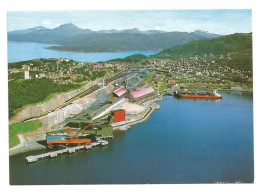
(205, 72)
(113, 85)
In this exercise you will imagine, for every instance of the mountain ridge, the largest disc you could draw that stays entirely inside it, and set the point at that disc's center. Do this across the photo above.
(73, 38)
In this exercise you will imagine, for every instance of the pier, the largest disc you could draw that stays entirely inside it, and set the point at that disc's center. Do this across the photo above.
(67, 150)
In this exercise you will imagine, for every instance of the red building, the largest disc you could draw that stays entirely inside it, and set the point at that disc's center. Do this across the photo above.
(171, 81)
(119, 115)
(157, 78)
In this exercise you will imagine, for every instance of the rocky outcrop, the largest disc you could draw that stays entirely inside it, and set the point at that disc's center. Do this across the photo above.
(56, 101)
(57, 117)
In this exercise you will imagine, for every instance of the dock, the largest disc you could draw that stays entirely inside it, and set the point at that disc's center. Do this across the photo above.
(67, 150)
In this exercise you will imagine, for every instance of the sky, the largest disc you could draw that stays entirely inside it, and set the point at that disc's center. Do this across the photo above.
(219, 21)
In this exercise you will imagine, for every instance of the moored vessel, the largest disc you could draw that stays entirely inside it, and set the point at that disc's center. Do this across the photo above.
(198, 94)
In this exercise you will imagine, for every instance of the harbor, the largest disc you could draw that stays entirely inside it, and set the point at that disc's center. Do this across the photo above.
(115, 102)
(67, 150)
(173, 138)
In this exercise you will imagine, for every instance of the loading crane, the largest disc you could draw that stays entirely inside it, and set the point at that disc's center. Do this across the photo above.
(70, 138)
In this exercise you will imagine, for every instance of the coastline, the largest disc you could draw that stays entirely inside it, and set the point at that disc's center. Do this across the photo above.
(30, 145)
(33, 145)
(95, 51)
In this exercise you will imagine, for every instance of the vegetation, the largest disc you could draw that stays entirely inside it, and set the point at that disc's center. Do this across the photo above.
(23, 92)
(13, 138)
(97, 74)
(220, 45)
(21, 127)
(241, 60)
(16, 76)
(131, 58)
(26, 126)
(239, 45)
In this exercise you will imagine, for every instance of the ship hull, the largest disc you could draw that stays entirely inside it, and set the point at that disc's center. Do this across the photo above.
(197, 96)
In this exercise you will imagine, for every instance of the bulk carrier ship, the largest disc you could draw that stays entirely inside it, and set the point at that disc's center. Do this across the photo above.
(198, 94)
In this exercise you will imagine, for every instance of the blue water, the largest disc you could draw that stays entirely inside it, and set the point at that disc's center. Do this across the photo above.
(21, 51)
(186, 141)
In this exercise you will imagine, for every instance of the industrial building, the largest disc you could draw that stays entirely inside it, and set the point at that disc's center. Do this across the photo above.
(97, 117)
(119, 115)
(120, 92)
(132, 78)
(142, 93)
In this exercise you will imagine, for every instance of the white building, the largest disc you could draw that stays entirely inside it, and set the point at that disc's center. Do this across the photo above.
(26, 75)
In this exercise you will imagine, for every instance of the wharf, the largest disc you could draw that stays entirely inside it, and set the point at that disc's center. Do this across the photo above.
(69, 150)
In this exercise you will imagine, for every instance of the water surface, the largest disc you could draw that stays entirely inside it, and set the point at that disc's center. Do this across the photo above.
(186, 141)
(22, 51)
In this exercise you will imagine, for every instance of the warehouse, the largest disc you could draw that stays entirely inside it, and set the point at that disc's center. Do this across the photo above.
(142, 93)
(120, 92)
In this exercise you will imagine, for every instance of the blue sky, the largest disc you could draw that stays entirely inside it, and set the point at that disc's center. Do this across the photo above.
(220, 21)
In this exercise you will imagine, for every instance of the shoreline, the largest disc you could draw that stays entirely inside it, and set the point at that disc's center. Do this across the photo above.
(33, 145)
(152, 107)
(108, 51)
(30, 145)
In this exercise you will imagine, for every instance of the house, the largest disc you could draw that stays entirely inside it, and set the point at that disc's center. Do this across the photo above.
(171, 81)
(42, 75)
(157, 78)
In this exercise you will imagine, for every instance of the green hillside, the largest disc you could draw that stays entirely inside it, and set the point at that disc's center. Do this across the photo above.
(131, 58)
(221, 45)
(23, 92)
(238, 45)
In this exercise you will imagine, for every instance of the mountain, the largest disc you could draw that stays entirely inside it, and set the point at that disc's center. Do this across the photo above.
(131, 31)
(206, 34)
(72, 38)
(138, 31)
(221, 45)
(29, 30)
(48, 35)
(68, 28)
(108, 31)
(99, 42)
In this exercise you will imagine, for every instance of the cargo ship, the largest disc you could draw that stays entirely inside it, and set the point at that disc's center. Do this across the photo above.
(198, 94)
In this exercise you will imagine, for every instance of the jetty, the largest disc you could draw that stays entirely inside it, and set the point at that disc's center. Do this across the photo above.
(67, 150)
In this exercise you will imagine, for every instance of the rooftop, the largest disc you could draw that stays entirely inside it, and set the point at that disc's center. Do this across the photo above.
(141, 92)
(119, 92)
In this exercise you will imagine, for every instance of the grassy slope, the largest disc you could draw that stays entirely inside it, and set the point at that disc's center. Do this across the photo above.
(21, 127)
(24, 92)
